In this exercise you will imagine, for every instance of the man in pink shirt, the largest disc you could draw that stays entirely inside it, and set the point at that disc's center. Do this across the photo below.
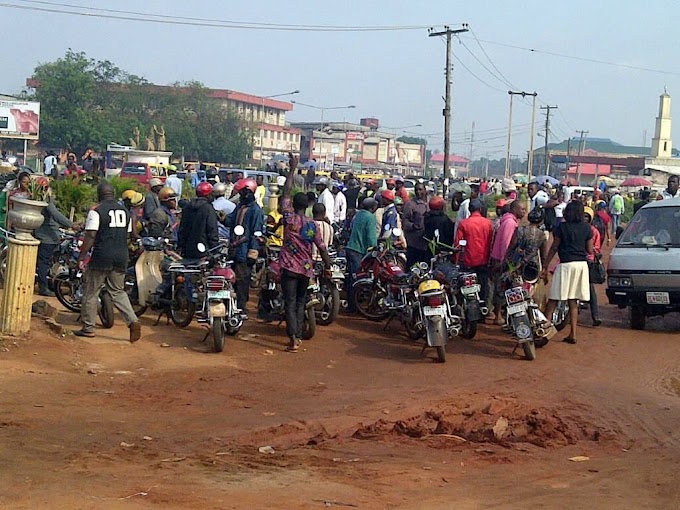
(507, 228)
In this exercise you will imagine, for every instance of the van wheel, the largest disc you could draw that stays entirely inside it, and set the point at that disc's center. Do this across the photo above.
(637, 317)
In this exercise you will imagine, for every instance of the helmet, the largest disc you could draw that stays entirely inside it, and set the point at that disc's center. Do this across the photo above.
(370, 182)
(387, 196)
(166, 194)
(155, 181)
(437, 203)
(135, 197)
(203, 189)
(537, 215)
(321, 180)
(219, 189)
(501, 202)
(242, 184)
(589, 212)
(398, 201)
(391, 181)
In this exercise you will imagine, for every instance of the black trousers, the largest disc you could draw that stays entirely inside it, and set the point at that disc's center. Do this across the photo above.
(594, 311)
(414, 255)
(242, 271)
(353, 266)
(45, 252)
(483, 280)
(294, 287)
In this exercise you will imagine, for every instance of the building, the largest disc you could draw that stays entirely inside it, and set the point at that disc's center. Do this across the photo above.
(458, 165)
(363, 147)
(663, 160)
(264, 117)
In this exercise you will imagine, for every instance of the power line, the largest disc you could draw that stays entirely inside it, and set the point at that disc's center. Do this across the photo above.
(491, 61)
(582, 59)
(62, 8)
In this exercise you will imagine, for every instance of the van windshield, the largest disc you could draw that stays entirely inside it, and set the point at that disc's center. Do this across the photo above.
(130, 169)
(655, 226)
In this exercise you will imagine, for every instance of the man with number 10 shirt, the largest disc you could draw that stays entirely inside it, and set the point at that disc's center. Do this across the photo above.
(106, 232)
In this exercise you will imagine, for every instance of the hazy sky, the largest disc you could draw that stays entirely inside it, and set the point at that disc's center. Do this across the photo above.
(396, 76)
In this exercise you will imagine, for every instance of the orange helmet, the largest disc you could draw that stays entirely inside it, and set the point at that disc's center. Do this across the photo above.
(166, 194)
(204, 189)
(242, 184)
(387, 196)
(437, 203)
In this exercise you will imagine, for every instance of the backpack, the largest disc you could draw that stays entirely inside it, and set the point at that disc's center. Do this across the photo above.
(550, 221)
(599, 224)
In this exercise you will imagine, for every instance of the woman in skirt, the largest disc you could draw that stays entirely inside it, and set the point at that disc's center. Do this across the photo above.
(573, 242)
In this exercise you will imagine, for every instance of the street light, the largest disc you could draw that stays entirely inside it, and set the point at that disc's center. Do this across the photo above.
(324, 108)
(263, 118)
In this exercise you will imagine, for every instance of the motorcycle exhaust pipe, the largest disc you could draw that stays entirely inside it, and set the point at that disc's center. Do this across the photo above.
(540, 331)
(455, 331)
(484, 311)
(234, 322)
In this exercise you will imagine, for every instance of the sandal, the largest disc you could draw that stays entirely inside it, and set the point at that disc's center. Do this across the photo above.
(294, 345)
(569, 340)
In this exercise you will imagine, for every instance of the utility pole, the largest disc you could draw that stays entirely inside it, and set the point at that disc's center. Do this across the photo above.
(530, 159)
(448, 32)
(531, 142)
(581, 148)
(472, 141)
(547, 133)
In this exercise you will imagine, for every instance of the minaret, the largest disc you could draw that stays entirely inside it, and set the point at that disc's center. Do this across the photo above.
(662, 143)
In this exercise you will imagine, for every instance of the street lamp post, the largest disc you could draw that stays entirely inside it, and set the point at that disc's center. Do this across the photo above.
(263, 119)
(323, 109)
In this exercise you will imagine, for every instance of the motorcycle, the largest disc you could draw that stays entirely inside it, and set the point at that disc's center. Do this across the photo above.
(217, 295)
(328, 285)
(68, 281)
(381, 283)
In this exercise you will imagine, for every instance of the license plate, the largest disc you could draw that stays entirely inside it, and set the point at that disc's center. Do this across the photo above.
(471, 289)
(658, 298)
(437, 311)
(218, 294)
(518, 308)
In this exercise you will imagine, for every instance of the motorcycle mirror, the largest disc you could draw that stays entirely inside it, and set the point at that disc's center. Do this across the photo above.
(257, 233)
(239, 230)
(200, 247)
(423, 266)
(387, 228)
(462, 243)
(396, 232)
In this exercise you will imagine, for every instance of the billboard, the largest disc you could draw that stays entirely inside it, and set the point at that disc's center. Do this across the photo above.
(19, 119)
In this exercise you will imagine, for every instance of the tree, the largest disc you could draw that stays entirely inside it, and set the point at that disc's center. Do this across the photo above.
(89, 103)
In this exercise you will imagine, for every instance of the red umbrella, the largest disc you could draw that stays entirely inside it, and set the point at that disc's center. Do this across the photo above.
(633, 182)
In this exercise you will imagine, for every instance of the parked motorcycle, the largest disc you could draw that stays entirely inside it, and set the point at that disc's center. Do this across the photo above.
(68, 281)
(327, 291)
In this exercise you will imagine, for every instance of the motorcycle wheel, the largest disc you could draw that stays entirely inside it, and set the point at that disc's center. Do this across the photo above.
(133, 295)
(469, 329)
(413, 329)
(106, 309)
(529, 350)
(368, 301)
(182, 310)
(310, 325)
(66, 290)
(218, 334)
(441, 353)
(331, 308)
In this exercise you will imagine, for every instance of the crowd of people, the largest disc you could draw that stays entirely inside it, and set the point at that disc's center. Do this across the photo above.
(305, 223)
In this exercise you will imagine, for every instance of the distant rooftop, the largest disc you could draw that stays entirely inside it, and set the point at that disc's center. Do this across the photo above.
(598, 145)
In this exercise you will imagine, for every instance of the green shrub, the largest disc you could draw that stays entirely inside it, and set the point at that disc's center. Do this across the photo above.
(70, 194)
(121, 184)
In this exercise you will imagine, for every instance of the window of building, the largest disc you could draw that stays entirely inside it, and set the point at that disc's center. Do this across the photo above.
(665, 146)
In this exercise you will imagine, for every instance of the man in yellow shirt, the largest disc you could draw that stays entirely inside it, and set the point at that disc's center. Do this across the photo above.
(260, 191)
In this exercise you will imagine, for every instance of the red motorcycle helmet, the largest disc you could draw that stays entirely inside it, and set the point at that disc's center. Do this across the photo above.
(204, 189)
(437, 203)
(387, 196)
(242, 184)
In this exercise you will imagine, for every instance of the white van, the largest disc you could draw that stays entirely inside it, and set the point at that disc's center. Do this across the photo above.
(569, 191)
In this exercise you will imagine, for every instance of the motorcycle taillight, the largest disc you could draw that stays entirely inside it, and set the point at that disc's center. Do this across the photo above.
(214, 284)
(437, 300)
(469, 280)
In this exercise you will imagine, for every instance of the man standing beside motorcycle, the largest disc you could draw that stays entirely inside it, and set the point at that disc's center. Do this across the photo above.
(198, 225)
(300, 233)
(414, 225)
(477, 231)
(163, 221)
(106, 233)
(364, 236)
(249, 215)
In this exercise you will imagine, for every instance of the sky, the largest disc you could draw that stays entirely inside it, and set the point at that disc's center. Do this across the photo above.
(396, 76)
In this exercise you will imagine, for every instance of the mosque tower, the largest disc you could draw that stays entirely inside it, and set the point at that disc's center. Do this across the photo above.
(662, 143)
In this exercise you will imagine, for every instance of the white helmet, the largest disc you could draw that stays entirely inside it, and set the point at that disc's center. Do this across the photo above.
(219, 189)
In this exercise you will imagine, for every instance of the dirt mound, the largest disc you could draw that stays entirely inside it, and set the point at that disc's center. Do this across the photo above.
(501, 421)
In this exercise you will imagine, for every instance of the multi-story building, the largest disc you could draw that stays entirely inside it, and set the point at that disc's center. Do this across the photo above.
(362, 146)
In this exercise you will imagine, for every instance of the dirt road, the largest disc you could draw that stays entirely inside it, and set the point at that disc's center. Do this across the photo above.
(361, 418)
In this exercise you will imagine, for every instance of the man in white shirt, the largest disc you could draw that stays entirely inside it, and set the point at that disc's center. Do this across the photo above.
(173, 181)
(672, 190)
(537, 195)
(50, 163)
(325, 197)
(340, 210)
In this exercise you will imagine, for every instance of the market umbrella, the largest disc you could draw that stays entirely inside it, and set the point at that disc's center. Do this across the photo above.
(607, 180)
(633, 182)
(542, 179)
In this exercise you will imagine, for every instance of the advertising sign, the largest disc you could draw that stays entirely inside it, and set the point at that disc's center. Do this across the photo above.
(19, 119)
